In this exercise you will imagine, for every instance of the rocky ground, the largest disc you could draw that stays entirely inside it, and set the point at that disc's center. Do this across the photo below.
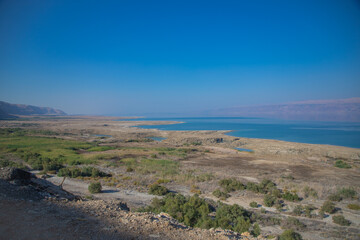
(32, 208)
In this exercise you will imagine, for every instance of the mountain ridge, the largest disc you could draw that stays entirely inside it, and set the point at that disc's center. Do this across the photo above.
(313, 110)
(10, 110)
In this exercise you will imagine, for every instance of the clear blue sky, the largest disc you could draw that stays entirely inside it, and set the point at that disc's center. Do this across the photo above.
(138, 57)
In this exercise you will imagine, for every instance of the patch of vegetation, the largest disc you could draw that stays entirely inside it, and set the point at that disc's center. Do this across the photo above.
(339, 219)
(341, 164)
(298, 209)
(195, 189)
(290, 234)
(156, 189)
(328, 207)
(220, 194)
(231, 184)
(343, 193)
(290, 196)
(9, 163)
(353, 206)
(74, 172)
(100, 148)
(269, 200)
(254, 204)
(292, 223)
(42, 153)
(194, 211)
(95, 187)
(310, 192)
(256, 230)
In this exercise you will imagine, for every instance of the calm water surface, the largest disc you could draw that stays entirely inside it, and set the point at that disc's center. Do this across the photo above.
(333, 133)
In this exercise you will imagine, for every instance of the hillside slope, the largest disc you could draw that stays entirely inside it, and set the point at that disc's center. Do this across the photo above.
(7, 110)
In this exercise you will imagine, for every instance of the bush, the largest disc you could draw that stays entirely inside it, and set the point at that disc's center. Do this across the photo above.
(335, 197)
(269, 200)
(82, 172)
(256, 230)
(290, 196)
(293, 223)
(341, 164)
(95, 187)
(157, 189)
(298, 210)
(290, 235)
(328, 207)
(347, 192)
(353, 206)
(339, 219)
(231, 184)
(219, 194)
(254, 204)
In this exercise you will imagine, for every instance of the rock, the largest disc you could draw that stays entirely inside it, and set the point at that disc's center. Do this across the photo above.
(10, 174)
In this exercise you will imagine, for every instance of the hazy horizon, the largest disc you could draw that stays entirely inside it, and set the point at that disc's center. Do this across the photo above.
(141, 58)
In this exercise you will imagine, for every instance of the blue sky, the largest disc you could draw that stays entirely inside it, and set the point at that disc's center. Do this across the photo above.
(139, 57)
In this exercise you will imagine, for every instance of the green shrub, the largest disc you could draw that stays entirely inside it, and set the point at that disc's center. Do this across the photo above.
(269, 200)
(95, 187)
(298, 210)
(342, 164)
(290, 196)
(265, 186)
(254, 204)
(292, 223)
(232, 217)
(347, 192)
(157, 189)
(353, 206)
(82, 172)
(339, 219)
(256, 230)
(193, 211)
(231, 184)
(220, 194)
(290, 235)
(335, 197)
(328, 207)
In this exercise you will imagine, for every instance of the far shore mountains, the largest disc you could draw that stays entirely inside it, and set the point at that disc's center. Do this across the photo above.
(10, 111)
(347, 110)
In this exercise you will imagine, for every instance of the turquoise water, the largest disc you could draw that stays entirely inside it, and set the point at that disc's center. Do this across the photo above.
(333, 133)
(244, 150)
(159, 139)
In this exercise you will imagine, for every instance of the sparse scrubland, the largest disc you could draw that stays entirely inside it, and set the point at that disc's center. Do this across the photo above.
(198, 180)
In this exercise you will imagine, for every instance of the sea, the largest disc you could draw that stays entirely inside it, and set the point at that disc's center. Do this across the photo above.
(333, 133)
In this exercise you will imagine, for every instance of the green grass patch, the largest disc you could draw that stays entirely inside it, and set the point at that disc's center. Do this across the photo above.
(342, 164)
(43, 153)
(100, 148)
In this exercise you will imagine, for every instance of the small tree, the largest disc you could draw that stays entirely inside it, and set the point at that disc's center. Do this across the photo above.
(254, 204)
(269, 200)
(95, 187)
(339, 219)
(290, 235)
(256, 230)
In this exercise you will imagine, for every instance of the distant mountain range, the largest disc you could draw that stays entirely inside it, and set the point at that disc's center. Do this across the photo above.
(9, 110)
(318, 110)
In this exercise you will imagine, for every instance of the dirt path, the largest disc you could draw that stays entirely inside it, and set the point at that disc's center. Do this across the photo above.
(134, 198)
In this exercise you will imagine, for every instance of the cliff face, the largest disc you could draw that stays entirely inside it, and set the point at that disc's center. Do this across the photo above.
(7, 110)
(323, 110)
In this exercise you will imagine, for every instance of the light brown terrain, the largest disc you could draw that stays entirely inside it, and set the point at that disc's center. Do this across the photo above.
(292, 166)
